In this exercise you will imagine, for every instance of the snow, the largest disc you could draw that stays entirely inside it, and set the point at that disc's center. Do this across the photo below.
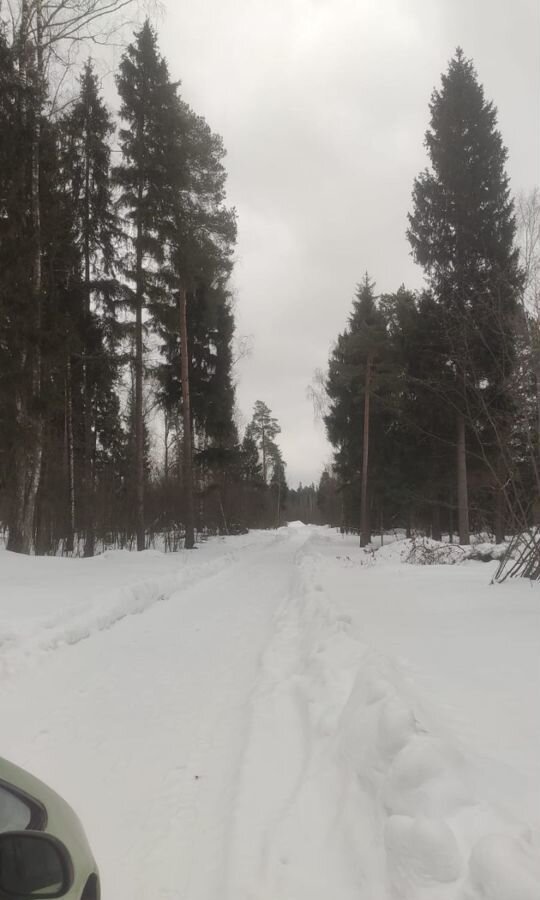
(282, 716)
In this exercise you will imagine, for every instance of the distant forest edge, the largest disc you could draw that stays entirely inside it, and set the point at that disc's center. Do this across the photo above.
(118, 423)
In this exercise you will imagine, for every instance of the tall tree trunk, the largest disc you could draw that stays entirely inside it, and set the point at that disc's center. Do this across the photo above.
(139, 384)
(189, 517)
(436, 531)
(166, 450)
(365, 530)
(222, 510)
(70, 462)
(500, 499)
(88, 474)
(263, 448)
(29, 462)
(463, 494)
(536, 450)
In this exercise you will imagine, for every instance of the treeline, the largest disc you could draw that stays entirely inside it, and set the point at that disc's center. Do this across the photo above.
(434, 395)
(116, 323)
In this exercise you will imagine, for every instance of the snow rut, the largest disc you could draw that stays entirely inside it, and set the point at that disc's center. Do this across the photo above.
(348, 786)
(100, 611)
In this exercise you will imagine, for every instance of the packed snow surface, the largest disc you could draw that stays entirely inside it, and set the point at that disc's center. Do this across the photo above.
(282, 716)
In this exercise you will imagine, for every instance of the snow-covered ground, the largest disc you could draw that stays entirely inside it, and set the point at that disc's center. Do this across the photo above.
(281, 716)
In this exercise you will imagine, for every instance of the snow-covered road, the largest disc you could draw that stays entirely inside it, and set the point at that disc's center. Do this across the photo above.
(274, 717)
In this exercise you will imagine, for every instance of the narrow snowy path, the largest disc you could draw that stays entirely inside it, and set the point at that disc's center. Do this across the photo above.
(147, 735)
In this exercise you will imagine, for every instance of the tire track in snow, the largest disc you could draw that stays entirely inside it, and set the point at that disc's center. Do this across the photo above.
(283, 843)
(109, 609)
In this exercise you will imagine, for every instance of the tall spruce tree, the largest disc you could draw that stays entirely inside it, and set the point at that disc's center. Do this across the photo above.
(354, 372)
(149, 171)
(462, 232)
(87, 129)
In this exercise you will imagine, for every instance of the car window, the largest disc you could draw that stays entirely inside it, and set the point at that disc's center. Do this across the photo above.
(15, 814)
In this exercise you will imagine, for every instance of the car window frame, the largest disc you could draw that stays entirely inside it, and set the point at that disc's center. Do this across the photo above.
(38, 812)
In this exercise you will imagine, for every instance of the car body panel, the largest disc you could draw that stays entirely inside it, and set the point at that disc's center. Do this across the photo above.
(60, 822)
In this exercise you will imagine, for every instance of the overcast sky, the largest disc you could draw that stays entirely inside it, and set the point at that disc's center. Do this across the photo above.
(323, 105)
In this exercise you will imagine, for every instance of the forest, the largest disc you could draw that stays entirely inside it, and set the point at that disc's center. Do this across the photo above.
(434, 395)
(118, 418)
(117, 401)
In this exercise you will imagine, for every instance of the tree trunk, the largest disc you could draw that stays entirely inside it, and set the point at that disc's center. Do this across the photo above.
(166, 450)
(189, 517)
(536, 456)
(88, 474)
(500, 499)
(463, 496)
(28, 467)
(139, 383)
(222, 510)
(365, 530)
(263, 448)
(436, 531)
(70, 463)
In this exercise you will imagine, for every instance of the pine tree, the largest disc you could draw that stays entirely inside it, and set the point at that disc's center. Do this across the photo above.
(263, 429)
(462, 232)
(328, 500)
(202, 233)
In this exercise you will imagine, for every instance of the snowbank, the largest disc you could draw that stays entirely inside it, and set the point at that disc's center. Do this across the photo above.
(48, 602)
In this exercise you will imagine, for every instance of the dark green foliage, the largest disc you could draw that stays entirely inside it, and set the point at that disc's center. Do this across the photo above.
(363, 344)
(302, 505)
(251, 464)
(329, 500)
(211, 329)
(150, 162)
(262, 488)
(462, 231)
(462, 227)
(200, 234)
